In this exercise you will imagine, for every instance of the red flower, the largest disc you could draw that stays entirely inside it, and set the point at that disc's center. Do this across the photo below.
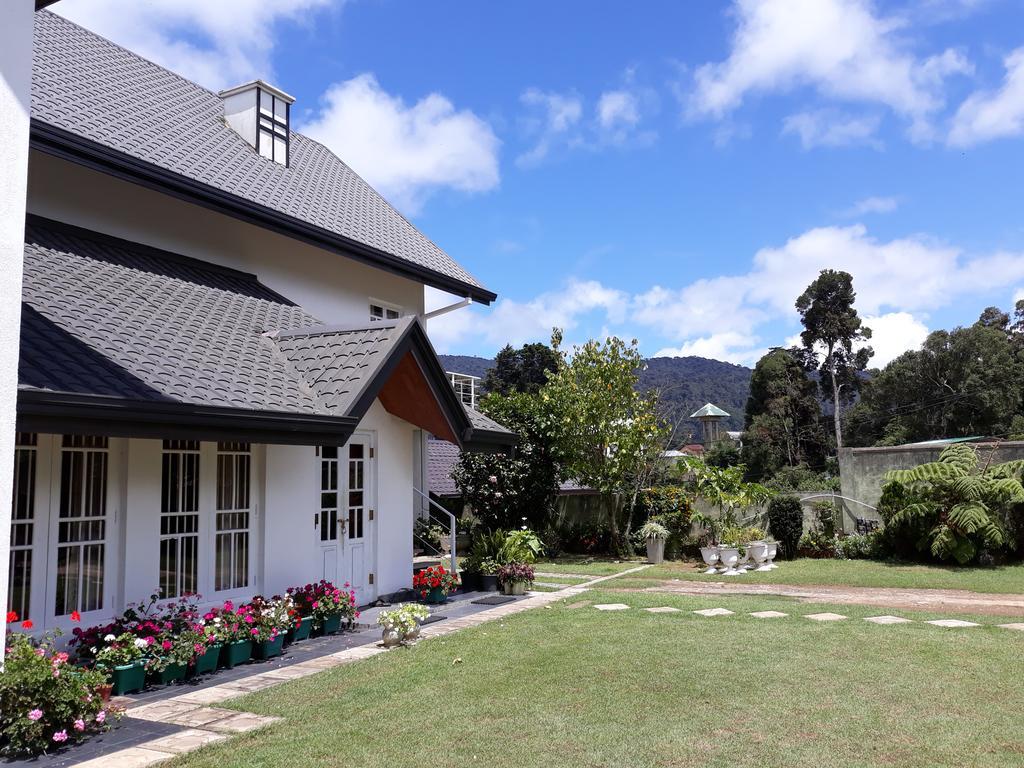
(11, 617)
(26, 624)
(76, 616)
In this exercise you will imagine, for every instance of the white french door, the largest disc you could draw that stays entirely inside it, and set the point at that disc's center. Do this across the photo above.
(345, 523)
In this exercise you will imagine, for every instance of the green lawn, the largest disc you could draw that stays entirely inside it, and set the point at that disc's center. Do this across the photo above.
(569, 687)
(1008, 579)
(588, 566)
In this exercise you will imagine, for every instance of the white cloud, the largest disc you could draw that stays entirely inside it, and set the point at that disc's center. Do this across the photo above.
(406, 151)
(987, 115)
(553, 120)
(827, 128)
(217, 44)
(730, 346)
(841, 48)
(869, 205)
(617, 108)
(1018, 295)
(893, 334)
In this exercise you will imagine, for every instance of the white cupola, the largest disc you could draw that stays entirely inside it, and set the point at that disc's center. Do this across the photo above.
(260, 113)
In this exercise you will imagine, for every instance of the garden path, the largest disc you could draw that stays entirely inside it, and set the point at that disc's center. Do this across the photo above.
(951, 600)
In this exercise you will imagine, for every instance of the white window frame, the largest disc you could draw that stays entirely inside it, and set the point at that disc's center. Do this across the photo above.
(386, 308)
(249, 510)
(273, 140)
(25, 528)
(184, 524)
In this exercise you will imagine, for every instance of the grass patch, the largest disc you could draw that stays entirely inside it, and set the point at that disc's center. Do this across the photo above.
(1008, 579)
(556, 687)
(588, 566)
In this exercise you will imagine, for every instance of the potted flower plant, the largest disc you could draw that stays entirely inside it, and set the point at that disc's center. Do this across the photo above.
(434, 583)
(173, 654)
(469, 576)
(234, 627)
(123, 659)
(489, 574)
(401, 624)
(514, 578)
(272, 621)
(655, 534)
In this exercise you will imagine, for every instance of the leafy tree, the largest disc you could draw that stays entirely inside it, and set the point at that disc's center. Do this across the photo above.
(961, 383)
(833, 325)
(724, 453)
(783, 415)
(493, 485)
(954, 507)
(521, 370)
(607, 432)
(723, 488)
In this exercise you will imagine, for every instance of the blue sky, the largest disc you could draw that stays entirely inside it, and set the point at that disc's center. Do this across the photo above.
(671, 171)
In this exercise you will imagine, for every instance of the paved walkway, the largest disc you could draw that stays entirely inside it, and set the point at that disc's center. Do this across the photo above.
(936, 600)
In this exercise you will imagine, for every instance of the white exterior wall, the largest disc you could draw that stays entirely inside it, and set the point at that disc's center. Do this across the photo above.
(333, 288)
(15, 93)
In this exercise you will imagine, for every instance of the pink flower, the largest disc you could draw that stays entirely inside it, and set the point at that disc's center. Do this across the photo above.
(35, 714)
(249, 619)
(150, 640)
(166, 645)
(199, 648)
(79, 724)
(255, 631)
(101, 716)
(60, 736)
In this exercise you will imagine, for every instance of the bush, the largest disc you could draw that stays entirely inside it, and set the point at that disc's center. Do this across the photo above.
(859, 546)
(670, 506)
(786, 523)
(45, 702)
(801, 478)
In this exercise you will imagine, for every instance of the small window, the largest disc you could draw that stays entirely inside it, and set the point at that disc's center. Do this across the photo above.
(379, 311)
(272, 140)
(231, 567)
(179, 518)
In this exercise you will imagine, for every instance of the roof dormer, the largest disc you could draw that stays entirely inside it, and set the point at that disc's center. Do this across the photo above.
(260, 114)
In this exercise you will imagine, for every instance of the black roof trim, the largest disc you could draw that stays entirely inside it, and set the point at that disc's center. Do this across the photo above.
(40, 4)
(91, 154)
(64, 413)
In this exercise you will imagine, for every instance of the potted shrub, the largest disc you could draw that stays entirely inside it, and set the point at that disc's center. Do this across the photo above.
(235, 632)
(469, 576)
(434, 583)
(655, 534)
(123, 659)
(174, 654)
(514, 578)
(45, 701)
(489, 575)
(327, 606)
(401, 624)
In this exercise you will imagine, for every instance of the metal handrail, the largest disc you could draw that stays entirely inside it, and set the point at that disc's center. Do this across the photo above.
(838, 496)
(451, 531)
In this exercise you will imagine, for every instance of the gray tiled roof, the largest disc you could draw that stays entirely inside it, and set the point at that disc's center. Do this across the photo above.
(481, 422)
(87, 85)
(103, 316)
(441, 458)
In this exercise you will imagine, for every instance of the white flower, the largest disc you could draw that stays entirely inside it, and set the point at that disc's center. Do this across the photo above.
(140, 643)
(109, 639)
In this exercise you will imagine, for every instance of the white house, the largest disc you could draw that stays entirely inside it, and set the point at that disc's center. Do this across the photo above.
(225, 385)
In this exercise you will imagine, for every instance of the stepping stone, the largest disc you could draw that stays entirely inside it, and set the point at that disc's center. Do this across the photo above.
(825, 616)
(714, 612)
(612, 607)
(888, 620)
(769, 615)
(953, 623)
(663, 609)
(1019, 626)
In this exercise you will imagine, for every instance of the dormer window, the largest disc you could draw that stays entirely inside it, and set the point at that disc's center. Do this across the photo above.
(382, 312)
(260, 114)
(272, 136)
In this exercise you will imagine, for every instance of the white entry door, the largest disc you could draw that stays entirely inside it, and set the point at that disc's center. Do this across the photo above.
(345, 523)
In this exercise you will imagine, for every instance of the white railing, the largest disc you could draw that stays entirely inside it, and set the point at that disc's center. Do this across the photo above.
(451, 529)
(465, 387)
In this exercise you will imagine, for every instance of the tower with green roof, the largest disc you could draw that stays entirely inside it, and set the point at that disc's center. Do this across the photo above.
(711, 418)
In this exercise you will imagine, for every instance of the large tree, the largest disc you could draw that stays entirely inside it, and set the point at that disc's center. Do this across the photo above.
(607, 432)
(521, 370)
(961, 383)
(832, 330)
(782, 422)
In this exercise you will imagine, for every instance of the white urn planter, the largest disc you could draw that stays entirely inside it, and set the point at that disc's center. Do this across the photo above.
(758, 551)
(412, 634)
(729, 556)
(390, 638)
(773, 549)
(655, 550)
(710, 555)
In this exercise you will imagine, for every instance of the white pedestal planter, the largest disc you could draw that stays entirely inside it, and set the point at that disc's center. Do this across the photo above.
(758, 551)
(773, 549)
(710, 555)
(729, 556)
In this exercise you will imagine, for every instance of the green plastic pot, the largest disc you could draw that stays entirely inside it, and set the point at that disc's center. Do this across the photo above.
(301, 632)
(207, 661)
(235, 653)
(436, 595)
(170, 674)
(267, 649)
(129, 678)
(332, 624)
